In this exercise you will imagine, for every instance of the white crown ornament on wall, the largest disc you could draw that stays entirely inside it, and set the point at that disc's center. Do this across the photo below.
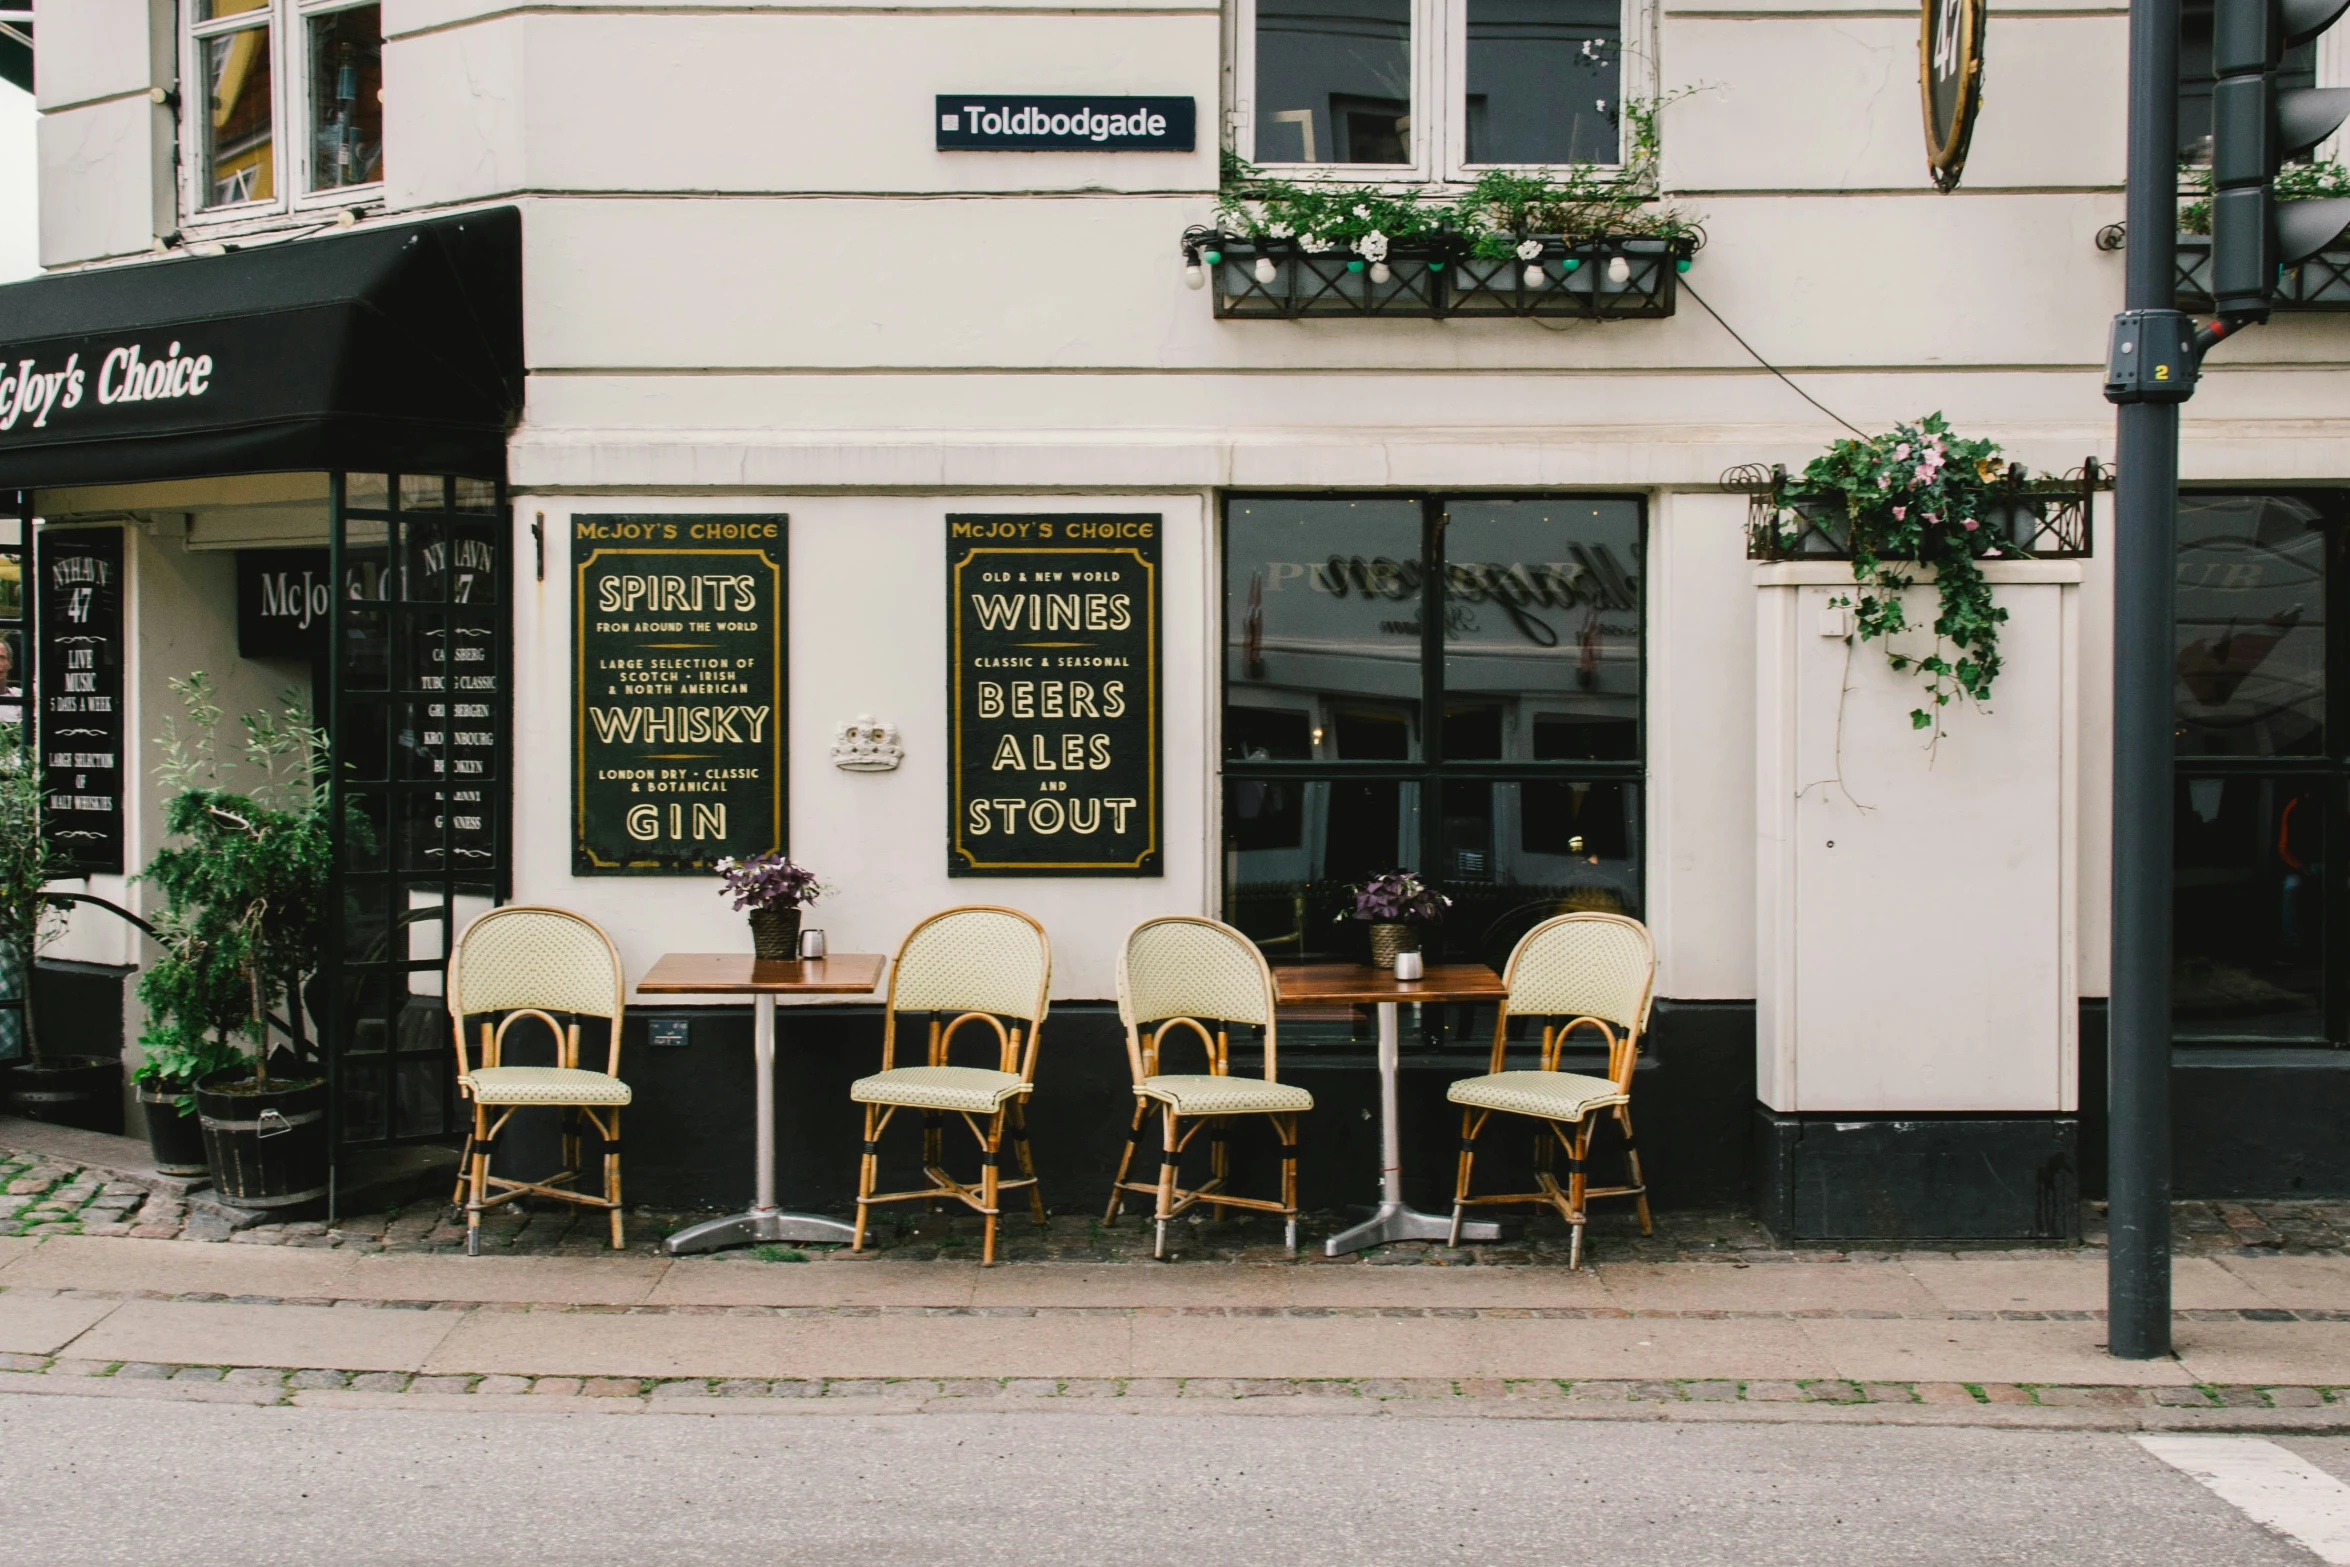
(866, 745)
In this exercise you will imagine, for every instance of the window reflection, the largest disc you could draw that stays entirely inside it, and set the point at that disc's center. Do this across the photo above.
(2250, 639)
(1542, 617)
(346, 98)
(1334, 81)
(1543, 81)
(1322, 619)
(240, 129)
(2249, 937)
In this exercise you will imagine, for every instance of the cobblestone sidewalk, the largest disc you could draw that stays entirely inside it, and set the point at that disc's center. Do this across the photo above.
(44, 1196)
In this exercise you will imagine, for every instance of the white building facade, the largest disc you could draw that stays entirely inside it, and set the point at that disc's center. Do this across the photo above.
(753, 284)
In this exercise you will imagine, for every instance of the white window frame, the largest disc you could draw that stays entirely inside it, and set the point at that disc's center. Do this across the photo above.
(290, 79)
(1440, 127)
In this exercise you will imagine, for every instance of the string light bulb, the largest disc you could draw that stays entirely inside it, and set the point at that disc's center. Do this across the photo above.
(1534, 275)
(1379, 272)
(1194, 276)
(1265, 272)
(1619, 270)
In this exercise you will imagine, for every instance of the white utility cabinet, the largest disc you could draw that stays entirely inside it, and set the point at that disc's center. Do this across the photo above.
(1916, 902)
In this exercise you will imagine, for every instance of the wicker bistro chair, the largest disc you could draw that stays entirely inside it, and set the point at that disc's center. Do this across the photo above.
(978, 965)
(1594, 971)
(530, 962)
(1180, 973)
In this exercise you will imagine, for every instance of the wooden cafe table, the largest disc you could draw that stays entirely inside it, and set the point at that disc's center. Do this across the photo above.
(763, 979)
(1361, 983)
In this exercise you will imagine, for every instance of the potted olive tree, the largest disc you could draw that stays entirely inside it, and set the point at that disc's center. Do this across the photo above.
(84, 1091)
(244, 880)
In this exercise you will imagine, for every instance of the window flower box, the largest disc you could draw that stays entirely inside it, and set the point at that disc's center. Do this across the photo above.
(2320, 283)
(1608, 278)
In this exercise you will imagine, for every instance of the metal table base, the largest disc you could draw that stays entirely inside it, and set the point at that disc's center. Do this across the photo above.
(764, 1221)
(1392, 1220)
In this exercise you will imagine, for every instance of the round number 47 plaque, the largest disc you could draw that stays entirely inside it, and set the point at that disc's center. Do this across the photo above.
(1950, 80)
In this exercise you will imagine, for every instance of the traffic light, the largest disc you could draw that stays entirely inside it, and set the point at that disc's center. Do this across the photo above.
(2256, 127)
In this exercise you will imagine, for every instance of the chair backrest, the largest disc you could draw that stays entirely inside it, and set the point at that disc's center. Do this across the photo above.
(975, 959)
(1182, 966)
(527, 958)
(1584, 965)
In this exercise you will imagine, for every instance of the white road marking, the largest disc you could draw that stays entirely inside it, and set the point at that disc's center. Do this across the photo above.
(2277, 1489)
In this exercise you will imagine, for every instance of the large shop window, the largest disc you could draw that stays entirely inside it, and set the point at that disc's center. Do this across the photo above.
(1516, 623)
(2263, 768)
(1431, 88)
(288, 109)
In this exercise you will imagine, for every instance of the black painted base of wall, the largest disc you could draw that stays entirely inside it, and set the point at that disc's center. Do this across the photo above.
(78, 1006)
(1917, 1178)
(688, 1133)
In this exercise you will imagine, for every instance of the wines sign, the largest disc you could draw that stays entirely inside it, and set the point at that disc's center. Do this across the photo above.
(1053, 684)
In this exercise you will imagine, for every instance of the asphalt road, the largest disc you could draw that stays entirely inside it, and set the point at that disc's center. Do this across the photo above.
(87, 1482)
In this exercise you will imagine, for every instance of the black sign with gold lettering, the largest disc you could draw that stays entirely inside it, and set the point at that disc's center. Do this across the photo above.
(1053, 684)
(677, 690)
(1950, 82)
(81, 718)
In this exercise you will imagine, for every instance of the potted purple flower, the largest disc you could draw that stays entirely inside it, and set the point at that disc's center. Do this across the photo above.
(773, 891)
(1396, 905)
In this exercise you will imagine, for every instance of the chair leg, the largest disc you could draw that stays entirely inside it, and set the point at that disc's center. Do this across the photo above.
(479, 1142)
(1219, 1160)
(1632, 1159)
(1575, 1183)
(464, 1176)
(1027, 1162)
(1471, 1124)
(1142, 1107)
(933, 1147)
(612, 1182)
(1285, 1127)
(1167, 1160)
(988, 1178)
(864, 1181)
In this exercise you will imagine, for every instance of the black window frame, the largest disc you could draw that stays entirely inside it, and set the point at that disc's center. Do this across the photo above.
(1431, 771)
(2329, 764)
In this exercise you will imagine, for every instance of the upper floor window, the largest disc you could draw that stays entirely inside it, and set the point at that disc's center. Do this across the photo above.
(288, 106)
(1433, 88)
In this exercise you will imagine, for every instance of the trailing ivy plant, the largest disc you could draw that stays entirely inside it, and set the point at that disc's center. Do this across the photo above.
(28, 862)
(1490, 220)
(1918, 496)
(244, 882)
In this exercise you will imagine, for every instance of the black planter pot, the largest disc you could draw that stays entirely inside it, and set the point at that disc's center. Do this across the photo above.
(83, 1091)
(775, 933)
(265, 1149)
(175, 1141)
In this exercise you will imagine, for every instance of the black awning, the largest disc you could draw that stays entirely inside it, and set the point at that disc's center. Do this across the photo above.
(393, 349)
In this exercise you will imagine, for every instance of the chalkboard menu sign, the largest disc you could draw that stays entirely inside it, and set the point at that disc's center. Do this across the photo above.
(1053, 683)
(678, 691)
(79, 612)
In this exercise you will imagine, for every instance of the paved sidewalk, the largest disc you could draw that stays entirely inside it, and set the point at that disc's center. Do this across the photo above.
(2263, 1342)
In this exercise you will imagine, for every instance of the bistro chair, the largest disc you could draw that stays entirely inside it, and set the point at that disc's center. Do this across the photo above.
(531, 962)
(1577, 971)
(977, 966)
(1182, 973)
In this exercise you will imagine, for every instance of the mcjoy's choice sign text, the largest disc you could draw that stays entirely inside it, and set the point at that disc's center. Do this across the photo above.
(1023, 122)
(1053, 683)
(30, 394)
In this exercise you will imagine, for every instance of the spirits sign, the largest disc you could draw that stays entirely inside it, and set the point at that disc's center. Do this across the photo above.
(1053, 684)
(677, 691)
(81, 718)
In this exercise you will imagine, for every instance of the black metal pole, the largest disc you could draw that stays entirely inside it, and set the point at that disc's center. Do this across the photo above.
(2146, 500)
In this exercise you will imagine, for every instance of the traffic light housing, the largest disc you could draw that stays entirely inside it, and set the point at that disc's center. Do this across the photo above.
(2256, 128)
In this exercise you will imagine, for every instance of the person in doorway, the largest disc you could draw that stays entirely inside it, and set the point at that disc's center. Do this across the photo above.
(11, 697)
(2298, 838)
